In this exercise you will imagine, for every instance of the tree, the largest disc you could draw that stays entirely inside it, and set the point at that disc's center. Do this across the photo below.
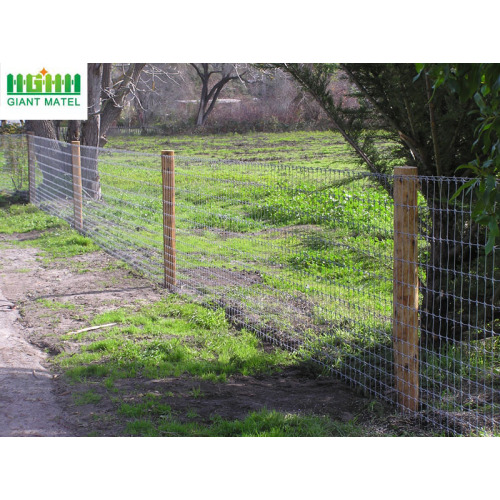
(108, 88)
(480, 84)
(430, 126)
(209, 95)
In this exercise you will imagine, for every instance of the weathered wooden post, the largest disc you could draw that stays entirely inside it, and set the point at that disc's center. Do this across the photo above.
(168, 182)
(405, 319)
(30, 137)
(77, 185)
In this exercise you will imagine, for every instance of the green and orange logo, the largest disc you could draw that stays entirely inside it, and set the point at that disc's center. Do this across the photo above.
(43, 83)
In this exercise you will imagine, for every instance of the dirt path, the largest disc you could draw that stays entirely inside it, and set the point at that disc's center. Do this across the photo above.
(28, 405)
(32, 401)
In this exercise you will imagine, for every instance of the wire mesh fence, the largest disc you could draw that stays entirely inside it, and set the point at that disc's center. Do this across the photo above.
(391, 292)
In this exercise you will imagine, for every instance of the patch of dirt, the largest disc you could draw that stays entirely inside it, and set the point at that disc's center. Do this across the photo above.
(33, 235)
(45, 301)
(28, 406)
(289, 392)
(214, 276)
(65, 295)
(38, 304)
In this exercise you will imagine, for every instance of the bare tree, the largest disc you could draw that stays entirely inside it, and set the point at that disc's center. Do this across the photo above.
(115, 93)
(209, 95)
(159, 86)
(107, 93)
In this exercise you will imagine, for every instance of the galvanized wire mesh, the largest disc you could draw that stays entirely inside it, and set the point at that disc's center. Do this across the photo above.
(459, 311)
(304, 257)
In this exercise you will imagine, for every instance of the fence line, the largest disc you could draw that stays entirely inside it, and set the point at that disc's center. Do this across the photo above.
(320, 261)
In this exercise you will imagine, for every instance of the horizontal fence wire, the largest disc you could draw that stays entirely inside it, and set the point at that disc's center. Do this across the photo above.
(13, 163)
(305, 258)
(124, 130)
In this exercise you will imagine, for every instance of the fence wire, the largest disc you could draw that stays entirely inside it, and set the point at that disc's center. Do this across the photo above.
(304, 257)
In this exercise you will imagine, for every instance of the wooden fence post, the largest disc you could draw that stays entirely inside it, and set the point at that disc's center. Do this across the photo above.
(30, 137)
(77, 185)
(168, 182)
(405, 319)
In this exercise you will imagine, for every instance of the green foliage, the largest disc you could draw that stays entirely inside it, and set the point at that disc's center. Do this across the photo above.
(11, 128)
(478, 86)
(317, 79)
(26, 218)
(13, 162)
(263, 423)
(169, 338)
(66, 243)
(391, 98)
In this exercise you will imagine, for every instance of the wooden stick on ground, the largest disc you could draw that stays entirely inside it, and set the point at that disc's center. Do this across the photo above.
(92, 328)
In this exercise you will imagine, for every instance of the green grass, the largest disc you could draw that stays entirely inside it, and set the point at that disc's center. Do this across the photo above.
(264, 423)
(315, 231)
(294, 148)
(57, 239)
(55, 305)
(26, 218)
(65, 243)
(86, 398)
(172, 337)
(299, 215)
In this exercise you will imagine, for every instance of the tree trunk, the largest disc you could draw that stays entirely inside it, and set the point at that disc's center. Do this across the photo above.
(73, 131)
(113, 106)
(105, 104)
(90, 134)
(208, 98)
(200, 117)
(52, 159)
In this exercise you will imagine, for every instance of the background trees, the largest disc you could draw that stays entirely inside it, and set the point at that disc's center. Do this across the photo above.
(171, 96)
(431, 118)
(210, 90)
(479, 86)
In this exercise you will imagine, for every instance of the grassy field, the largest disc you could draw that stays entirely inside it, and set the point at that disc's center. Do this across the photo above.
(316, 233)
(194, 349)
(284, 232)
(315, 149)
(299, 255)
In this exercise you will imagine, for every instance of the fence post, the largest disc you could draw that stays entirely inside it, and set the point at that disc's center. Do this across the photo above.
(30, 137)
(405, 319)
(77, 185)
(168, 183)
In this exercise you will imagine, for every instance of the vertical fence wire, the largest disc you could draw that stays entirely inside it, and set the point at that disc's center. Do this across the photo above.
(304, 258)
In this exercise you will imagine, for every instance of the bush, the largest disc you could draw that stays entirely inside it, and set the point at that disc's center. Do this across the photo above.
(12, 128)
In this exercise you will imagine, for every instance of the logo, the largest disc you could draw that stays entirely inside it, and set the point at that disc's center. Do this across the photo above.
(42, 95)
(43, 83)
